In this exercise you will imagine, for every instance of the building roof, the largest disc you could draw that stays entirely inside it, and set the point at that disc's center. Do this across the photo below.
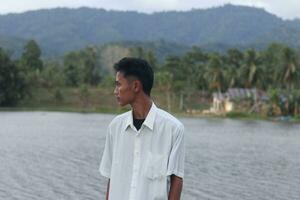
(241, 93)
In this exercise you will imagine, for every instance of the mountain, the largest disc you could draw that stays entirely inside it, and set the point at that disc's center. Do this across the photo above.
(60, 30)
(13, 44)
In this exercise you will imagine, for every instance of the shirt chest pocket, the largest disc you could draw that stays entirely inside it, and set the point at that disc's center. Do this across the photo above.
(156, 166)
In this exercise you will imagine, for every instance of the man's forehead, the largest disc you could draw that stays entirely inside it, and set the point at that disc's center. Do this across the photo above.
(120, 76)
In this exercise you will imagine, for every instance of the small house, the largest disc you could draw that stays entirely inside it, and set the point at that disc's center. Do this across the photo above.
(241, 99)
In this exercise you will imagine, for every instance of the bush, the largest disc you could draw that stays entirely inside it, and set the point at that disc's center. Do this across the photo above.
(58, 96)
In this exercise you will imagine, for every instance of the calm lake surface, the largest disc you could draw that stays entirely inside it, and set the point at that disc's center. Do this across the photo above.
(55, 156)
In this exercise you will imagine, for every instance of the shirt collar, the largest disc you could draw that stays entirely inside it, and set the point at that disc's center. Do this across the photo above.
(149, 121)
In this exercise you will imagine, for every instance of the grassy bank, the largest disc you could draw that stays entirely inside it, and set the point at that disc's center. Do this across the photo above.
(102, 100)
(96, 99)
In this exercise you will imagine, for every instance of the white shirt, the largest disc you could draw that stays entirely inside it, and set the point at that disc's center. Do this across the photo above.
(139, 163)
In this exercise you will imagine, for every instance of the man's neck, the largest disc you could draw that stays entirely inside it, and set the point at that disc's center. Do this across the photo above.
(141, 107)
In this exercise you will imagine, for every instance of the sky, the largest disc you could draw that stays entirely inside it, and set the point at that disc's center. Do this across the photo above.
(286, 9)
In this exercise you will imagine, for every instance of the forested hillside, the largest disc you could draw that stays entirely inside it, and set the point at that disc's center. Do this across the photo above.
(61, 30)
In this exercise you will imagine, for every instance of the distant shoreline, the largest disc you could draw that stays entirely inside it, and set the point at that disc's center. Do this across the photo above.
(238, 116)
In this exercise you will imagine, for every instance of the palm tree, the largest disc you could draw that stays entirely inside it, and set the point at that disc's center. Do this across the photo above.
(251, 72)
(173, 65)
(214, 73)
(194, 62)
(164, 84)
(289, 68)
(271, 59)
(233, 62)
(177, 69)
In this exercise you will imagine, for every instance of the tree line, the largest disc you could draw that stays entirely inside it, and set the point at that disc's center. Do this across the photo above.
(275, 69)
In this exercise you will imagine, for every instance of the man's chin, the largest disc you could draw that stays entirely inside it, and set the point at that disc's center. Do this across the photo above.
(122, 104)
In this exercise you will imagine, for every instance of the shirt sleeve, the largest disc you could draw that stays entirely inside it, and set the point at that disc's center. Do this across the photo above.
(106, 161)
(177, 155)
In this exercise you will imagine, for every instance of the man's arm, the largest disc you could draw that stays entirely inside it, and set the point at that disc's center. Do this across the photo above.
(175, 188)
(107, 190)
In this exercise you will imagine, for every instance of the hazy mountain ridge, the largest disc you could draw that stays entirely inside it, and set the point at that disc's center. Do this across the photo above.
(60, 30)
(12, 44)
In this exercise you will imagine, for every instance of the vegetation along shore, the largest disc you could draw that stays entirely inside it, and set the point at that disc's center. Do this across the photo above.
(241, 84)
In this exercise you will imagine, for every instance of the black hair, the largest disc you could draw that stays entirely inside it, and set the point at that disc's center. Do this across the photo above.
(139, 69)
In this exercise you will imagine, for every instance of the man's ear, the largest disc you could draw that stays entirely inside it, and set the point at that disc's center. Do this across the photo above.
(137, 86)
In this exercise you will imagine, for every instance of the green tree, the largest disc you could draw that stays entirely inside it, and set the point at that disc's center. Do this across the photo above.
(147, 55)
(251, 72)
(138, 52)
(90, 66)
(164, 84)
(71, 69)
(31, 56)
(31, 65)
(152, 60)
(271, 59)
(214, 73)
(233, 63)
(82, 67)
(290, 71)
(12, 83)
(174, 65)
(52, 75)
(194, 63)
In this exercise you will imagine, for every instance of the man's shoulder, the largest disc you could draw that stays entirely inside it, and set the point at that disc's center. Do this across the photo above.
(119, 119)
(165, 117)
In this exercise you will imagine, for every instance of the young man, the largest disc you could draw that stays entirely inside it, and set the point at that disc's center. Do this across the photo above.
(143, 157)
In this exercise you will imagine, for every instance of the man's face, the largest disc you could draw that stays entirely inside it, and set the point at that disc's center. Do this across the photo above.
(124, 90)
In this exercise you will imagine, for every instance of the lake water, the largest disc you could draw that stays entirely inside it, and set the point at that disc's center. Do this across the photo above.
(55, 156)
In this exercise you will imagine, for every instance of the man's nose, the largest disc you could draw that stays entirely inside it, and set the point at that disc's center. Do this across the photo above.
(115, 91)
